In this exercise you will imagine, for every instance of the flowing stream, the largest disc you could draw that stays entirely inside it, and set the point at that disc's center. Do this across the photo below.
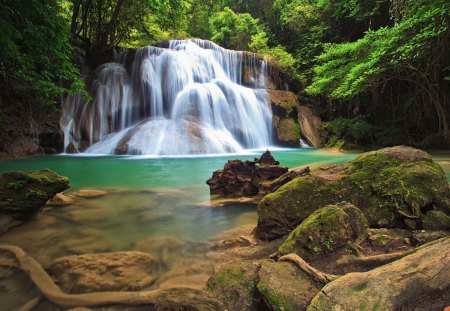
(188, 98)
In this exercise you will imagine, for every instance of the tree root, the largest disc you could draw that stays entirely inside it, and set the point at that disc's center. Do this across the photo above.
(311, 271)
(13, 256)
(372, 261)
(31, 304)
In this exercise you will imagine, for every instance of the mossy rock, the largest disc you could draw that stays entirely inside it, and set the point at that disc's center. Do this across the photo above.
(283, 286)
(281, 211)
(288, 131)
(235, 285)
(395, 184)
(393, 187)
(327, 229)
(23, 194)
(436, 220)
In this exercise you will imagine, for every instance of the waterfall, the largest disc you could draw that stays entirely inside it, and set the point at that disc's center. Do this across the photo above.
(187, 98)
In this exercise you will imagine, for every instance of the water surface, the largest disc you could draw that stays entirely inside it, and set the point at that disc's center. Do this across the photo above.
(156, 205)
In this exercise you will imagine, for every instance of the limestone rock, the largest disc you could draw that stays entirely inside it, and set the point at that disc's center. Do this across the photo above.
(395, 286)
(130, 271)
(288, 132)
(393, 187)
(24, 194)
(327, 229)
(310, 124)
(283, 103)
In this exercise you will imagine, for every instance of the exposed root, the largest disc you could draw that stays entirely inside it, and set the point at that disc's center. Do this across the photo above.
(313, 272)
(373, 261)
(31, 304)
(13, 256)
(250, 241)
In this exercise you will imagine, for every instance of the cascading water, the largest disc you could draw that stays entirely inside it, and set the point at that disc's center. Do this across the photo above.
(184, 99)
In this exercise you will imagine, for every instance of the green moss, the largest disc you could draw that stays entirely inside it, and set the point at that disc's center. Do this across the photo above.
(326, 229)
(288, 130)
(387, 185)
(276, 302)
(436, 220)
(296, 200)
(360, 287)
(382, 185)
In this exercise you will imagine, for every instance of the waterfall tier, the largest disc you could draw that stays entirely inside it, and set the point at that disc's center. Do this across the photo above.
(188, 98)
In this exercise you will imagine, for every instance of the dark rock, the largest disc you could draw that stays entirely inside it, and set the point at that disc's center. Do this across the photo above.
(436, 220)
(51, 142)
(24, 194)
(239, 178)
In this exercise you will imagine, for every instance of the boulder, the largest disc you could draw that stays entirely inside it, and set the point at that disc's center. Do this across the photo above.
(283, 103)
(327, 229)
(281, 211)
(283, 286)
(120, 271)
(239, 178)
(310, 124)
(418, 281)
(263, 285)
(24, 194)
(436, 220)
(394, 187)
(287, 131)
(235, 285)
(284, 110)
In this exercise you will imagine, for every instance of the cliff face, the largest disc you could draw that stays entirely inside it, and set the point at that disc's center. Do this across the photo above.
(27, 127)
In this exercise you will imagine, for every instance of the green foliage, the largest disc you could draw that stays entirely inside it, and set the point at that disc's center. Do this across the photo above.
(35, 48)
(355, 130)
(103, 23)
(233, 31)
(348, 69)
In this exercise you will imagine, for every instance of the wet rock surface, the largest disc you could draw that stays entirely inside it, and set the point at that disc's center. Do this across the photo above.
(24, 194)
(242, 178)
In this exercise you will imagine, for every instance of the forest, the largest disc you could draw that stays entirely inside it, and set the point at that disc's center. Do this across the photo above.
(377, 70)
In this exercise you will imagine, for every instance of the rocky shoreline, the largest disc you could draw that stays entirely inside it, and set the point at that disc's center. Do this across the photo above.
(372, 234)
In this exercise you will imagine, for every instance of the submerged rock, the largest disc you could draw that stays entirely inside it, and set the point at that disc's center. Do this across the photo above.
(24, 194)
(121, 271)
(327, 229)
(413, 280)
(393, 187)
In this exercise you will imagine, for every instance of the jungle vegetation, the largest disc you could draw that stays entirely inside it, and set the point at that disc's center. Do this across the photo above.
(378, 70)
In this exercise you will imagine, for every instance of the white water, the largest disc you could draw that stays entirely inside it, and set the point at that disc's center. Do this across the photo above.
(185, 99)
